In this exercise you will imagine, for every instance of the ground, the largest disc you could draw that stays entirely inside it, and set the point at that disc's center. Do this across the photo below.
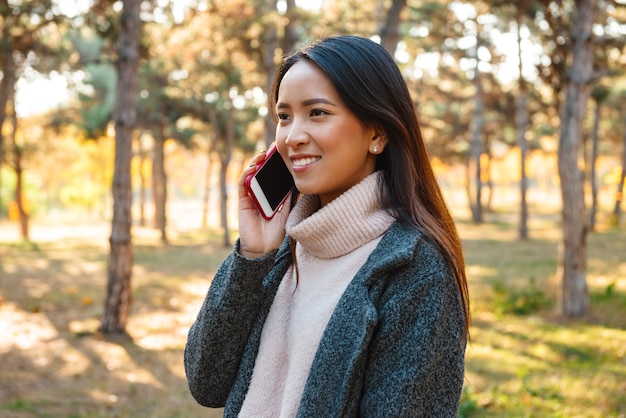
(524, 359)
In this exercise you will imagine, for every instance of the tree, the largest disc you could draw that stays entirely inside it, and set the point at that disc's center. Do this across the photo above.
(222, 78)
(477, 147)
(574, 298)
(390, 33)
(619, 193)
(599, 94)
(522, 117)
(25, 43)
(120, 264)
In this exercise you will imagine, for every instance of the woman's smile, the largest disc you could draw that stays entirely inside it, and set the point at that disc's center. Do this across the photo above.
(325, 146)
(300, 162)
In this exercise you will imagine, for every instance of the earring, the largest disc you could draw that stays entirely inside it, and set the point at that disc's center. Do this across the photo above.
(375, 149)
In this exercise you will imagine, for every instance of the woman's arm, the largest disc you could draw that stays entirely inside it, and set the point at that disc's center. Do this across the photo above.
(217, 338)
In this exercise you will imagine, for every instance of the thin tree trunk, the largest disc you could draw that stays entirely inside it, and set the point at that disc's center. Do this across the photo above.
(18, 167)
(226, 158)
(224, 204)
(390, 32)
(574, 297)
(141, 152)
(487, 181)
(476, 147)
(521, 122)
(592, 174)
(19, 179)
(207, 192)
(619, 193)
(7, 85)
(225, 135)
(290, 37)
(159, 183)
(269, 68)
(118, 293)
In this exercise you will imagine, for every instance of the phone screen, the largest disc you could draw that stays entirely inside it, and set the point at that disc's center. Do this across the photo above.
(275, 180)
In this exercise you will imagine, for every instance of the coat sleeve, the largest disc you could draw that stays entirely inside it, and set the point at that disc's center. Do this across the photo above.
(217, 339)
(415, 363)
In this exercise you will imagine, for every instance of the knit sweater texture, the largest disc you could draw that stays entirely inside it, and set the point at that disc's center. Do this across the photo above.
(328, 256)
(393, 346)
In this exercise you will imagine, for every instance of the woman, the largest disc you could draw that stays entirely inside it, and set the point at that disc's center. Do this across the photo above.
(354, 302)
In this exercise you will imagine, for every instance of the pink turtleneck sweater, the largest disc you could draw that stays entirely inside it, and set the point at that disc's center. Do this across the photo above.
(332, 243)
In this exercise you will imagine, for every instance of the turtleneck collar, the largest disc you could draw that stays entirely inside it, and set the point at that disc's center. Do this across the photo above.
(344, 224)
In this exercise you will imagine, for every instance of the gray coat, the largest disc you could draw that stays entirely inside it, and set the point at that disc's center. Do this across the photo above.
(394, 346)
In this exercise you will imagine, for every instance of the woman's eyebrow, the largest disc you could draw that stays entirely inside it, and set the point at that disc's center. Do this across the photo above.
(307, 102)
(321, 100)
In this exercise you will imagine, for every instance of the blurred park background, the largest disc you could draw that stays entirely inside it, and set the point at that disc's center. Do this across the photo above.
(124, 126)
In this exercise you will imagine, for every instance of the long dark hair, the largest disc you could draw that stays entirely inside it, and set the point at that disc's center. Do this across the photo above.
(370, 84)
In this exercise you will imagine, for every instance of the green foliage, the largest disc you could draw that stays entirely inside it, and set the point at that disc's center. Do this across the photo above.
(6, 194)
(79, 193)
(34, 195)
(608, 294)
(98, 98)
(21, 405)
(469, 404)
(523, 301)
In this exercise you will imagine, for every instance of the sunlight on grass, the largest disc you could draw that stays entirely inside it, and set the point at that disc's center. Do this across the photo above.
(524, 359)
(480, 272)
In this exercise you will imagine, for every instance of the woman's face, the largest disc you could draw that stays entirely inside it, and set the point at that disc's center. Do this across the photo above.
(325, 146)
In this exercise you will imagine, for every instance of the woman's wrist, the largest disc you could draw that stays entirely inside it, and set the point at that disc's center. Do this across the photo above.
(251, 254)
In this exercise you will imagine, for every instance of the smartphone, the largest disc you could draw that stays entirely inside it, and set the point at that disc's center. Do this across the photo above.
(270, 184)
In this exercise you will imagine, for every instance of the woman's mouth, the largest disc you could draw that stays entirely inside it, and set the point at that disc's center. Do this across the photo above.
(302, 162)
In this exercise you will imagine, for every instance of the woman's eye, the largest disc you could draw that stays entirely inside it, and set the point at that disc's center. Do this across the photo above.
(282, 116)
(318, 112)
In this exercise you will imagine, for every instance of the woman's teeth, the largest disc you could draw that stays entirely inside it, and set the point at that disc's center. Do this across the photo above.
(301, 162)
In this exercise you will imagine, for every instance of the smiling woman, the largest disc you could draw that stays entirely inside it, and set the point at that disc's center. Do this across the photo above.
(352, 302)
(326, 147)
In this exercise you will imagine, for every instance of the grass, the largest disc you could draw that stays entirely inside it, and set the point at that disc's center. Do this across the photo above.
(524, 360)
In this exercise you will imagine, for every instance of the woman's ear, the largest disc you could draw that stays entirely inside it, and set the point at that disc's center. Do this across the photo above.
(379, 140)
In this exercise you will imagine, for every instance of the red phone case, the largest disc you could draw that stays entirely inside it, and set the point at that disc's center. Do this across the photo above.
(268, 154)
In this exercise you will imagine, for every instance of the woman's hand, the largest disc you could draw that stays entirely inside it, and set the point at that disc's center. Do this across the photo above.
(257, 235)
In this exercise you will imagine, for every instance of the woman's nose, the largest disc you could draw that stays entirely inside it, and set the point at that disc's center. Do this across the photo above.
(297, 135)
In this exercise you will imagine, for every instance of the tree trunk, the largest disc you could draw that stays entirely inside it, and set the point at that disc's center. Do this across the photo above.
(18, 167)
(619, 193)
(290, 37)
(141, 153)
(521, 125)
(593, 161)
(226, 158)
(574, 297)
(159, 183)
(7, 86)
(269, 68)
(476, 148)
(19, 198)
(224, 203)
(118, 294)
(487, 181)
(207, 192)
(521, 120)
(19, 179)
(390, 32)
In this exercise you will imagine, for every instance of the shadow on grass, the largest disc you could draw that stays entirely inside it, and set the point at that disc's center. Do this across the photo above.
(539, 364)
(54, 361)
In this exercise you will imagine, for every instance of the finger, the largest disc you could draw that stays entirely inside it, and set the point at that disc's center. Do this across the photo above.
(251, 167)
(243, 192)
